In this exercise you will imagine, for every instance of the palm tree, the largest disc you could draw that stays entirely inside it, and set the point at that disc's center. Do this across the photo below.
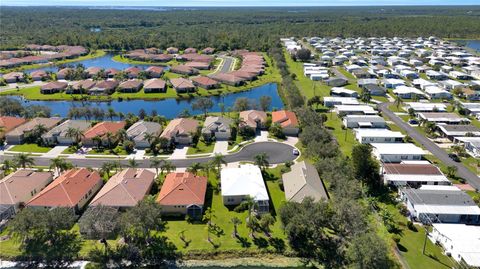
(111, 113)
(266, 221)
(59, 164)
(208, 167)
(75, 134)
(107, 167)
(121, 135)
(398, 101)
(156, 163)
(218, 160)
(167, 166)
(261, 160)
(194, 168)
(109, 136)
(235, 221)
(208, 216)
(23, 160)
(8, 165)
(132, 163)
(97, 140)
(459, 150)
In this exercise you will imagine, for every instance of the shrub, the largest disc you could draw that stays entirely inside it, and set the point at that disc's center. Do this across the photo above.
(411, 226)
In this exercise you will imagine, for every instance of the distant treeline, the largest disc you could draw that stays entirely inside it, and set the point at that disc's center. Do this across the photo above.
(225, 28)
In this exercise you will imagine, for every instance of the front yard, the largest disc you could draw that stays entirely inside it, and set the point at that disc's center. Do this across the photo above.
(201, 147)
(34, 148)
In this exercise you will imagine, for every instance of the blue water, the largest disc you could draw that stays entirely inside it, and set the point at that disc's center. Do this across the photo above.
(169, 108)
(472, 44)
(104, 62)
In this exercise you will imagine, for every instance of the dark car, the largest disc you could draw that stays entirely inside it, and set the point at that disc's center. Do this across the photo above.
(454, 157)
(413, 121)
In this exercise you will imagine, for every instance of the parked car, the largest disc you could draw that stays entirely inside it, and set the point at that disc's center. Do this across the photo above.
(295, 152)
(413, 121)
(454, 157)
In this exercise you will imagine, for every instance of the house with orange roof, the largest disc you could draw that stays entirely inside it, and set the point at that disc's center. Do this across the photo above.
(18, 188)
(287, 120)
(72, 189)
(255, 119)
(8, 123)
(17, 135)
(101, 130)
(183, 194)
(125, 189)
(205, 82)
(180, 131)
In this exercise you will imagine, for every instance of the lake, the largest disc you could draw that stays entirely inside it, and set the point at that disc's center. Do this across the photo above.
(472, 44)
(169, 108)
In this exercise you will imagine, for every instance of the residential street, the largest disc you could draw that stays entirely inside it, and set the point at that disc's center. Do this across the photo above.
(277, 152)
(227, 64)
(462, 171)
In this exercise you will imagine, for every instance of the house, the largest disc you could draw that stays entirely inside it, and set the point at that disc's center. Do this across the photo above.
(125, 189)
(450, 84)
(330, 101)
(205, 82)
(393, 83)
(38, 75)
(470, 94)
(354, 110)
(154, 85)
(180, 130)
(82, 86)
(154, 71)
(459, 75)
(412, 174)
(396, 152)
(104, 87)
(472, 109)
(64, 73)
(406, 92)
(132, 72)
(241, 182)
(199, 65)
(459, 241)
(425, 107)
(375, 90)
(14, 77)
(452, 131)
(184, 70)
(364, 121)
(287, 120)
(16, 135)
(432, 74)
(59, 134)
(172, 50)
(18, 188)
(471, 145)
(53, 87)
(434, 92)
(423, 83)
(440, 204)
(101, 130)
(369, 135)
(93, 71)
(208, 50)
(255, 119)
(343, 92)
(132, 85)
(183, 194)
(442, 118)
(336, 81)
(367, 81)
(218, 127)
(140, 129)
(72, 189)
(303, 181)
(228, 78)
(182, 85)
(8, 123)
(112, 72)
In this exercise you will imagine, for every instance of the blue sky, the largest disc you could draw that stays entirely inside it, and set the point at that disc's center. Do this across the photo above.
(200, 3)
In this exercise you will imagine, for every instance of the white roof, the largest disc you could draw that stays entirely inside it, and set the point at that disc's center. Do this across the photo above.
(377, 133)
(447, 209)
(245, 180)
(339, 90)
(364, 108)
(397, 148)
(342, 100)
(407, 90)
(465, 240)
(415, 178)
(435, 90)
(440, 187)
(420, 106)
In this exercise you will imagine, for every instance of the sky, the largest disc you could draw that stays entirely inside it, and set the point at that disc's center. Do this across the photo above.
(209, 3)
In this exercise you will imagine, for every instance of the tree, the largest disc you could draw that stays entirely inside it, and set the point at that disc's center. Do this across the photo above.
(111, 114)
(204, 104)
(208, 217)
(365, 96)
(458, 149)
(60, 164)
(398, 101)
(8, 165)
(235, 221)
(366, 168)
(194, 168)
(23, 160)
(303, 54)
(107, 167)
(167, 166)
(97, 140)
(218, 160)
(241, 104)
(261, 160)
(265, 222)
(265, 102)
(75, 134)
(367, 250)
(132, 163)
(276, 131)
(451, 171)
(156, 162)
(99, 222)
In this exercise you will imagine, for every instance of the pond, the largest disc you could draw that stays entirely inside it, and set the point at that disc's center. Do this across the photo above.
(104, 62)
(169, 108)
(472, 44)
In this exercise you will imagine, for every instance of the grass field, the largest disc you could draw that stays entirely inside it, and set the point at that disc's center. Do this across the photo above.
(117, 151)
(345, 137)
(30, 148)
(201, 147)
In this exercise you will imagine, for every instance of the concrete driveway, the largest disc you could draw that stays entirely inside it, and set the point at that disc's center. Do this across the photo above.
(221, 147)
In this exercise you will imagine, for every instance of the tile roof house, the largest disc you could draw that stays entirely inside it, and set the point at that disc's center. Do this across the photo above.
(199, 65)
(13, 77)
(19, 187)
(287, 120)
(104, 87)
(208, 50)
(132, 85)
(138, 130)
(59, 134)
(72, 189)
(244, 181)
(190, 50)
(82, 86)
(184, 70)
(303, 181)
(172, 50)
(154, 71)
(218, 127)
(154, 85)
(8, 123)
(205, 82)
(64, 73)
(53, 87)
(228, 78)
(183, 194)
(38, 75)
(16, 135)
(413, 174)
(132, 72)
(182, 85)
(125, 189)
(180, 130)
(101, 129)
(255, 119)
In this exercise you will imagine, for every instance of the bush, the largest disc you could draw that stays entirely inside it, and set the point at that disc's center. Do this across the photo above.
(403, 209)
(411, 226)
(396, 238)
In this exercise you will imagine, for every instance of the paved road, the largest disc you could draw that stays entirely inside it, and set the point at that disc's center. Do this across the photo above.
(226, 64)
(277, 152)
(462, 171)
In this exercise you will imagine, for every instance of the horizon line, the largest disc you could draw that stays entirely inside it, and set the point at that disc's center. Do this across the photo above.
(217, 6)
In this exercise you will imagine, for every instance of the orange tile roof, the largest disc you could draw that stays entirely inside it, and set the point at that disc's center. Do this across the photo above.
(104, 127)
(68, 189)
(285, 118)
(8, 123)
(183, 189)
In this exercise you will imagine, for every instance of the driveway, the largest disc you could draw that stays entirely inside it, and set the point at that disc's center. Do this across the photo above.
(277, 152)
(221, 147)
(262, 137)
(179, 153)
(462, 171)
(53, 153)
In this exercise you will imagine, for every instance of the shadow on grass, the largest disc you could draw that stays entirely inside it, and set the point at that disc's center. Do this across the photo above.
(260, 242)
(402, 248)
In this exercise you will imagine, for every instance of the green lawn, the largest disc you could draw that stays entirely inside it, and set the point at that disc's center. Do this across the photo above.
(116, 151)
(201, 147)
(30, 148)
(345, 137)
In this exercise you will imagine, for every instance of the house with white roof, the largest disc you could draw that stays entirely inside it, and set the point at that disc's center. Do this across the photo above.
(459, 241)
(413, 174)
(343, 92)
(440, 204)
(425, 107)
(364, 121)
(472, 108)
(393, 83)
(396, 152)
(330, 101)
(435, 75)
(369, 135)
(423, 83)
(406, 92)
(442, 118)
(451, 84)
(241, 182)
(434, 92)
(452, 131)
(354, 110)
(471, 144)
